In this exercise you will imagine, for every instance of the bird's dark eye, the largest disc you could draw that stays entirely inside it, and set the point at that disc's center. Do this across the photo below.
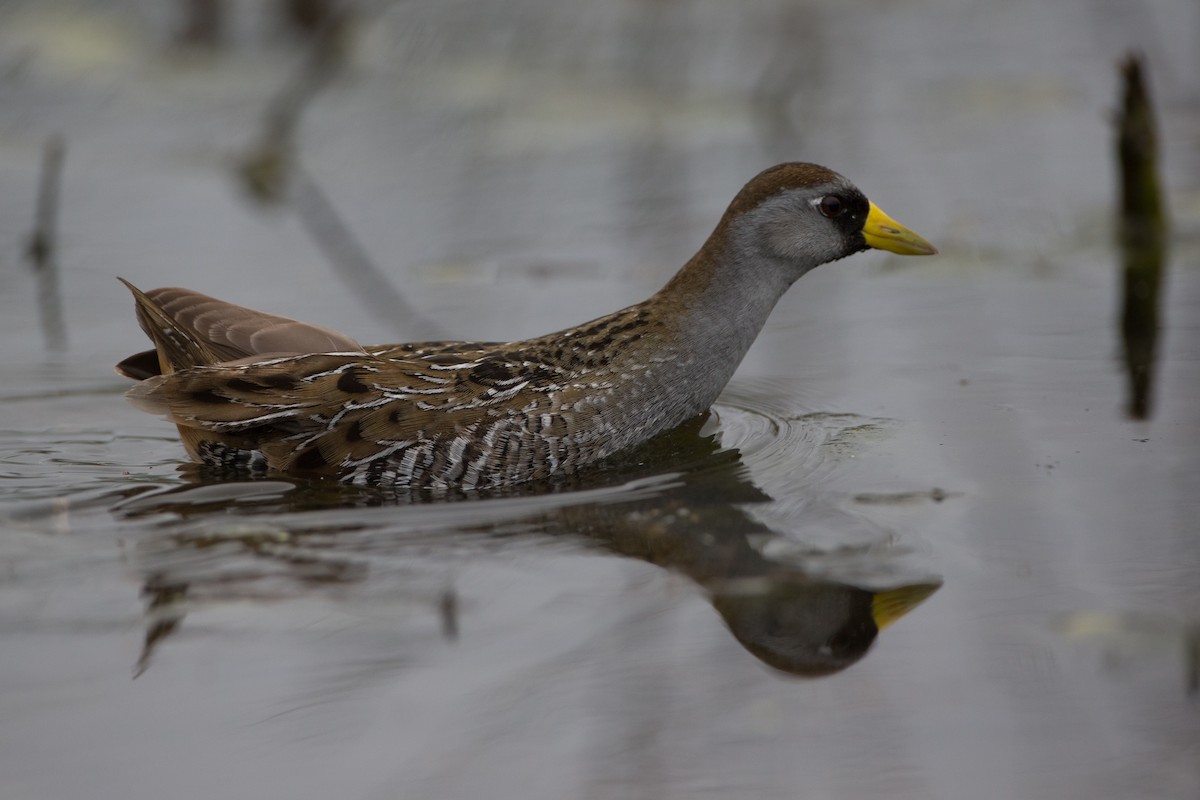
(831, 205)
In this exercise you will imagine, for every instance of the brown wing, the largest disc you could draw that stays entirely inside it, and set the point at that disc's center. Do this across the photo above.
(336, 414)
(246, 388)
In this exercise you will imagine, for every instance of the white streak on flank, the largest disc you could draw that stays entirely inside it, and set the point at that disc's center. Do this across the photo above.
(457, 447)
(270, 362)
(304, 441)
(384, 453)
(470, 478)
(241, 423)
(408, 461)
(489, 435)
(350, 405)
(317, 375)
(507, 393)
(353, 365)
(402, 392)
(336, 418)
(467, 365)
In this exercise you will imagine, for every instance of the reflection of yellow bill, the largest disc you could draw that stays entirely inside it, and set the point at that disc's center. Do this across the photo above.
(884, 233)
(891, 605)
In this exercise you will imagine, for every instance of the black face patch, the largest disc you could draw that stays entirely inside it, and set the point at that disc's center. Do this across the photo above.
(852, 218)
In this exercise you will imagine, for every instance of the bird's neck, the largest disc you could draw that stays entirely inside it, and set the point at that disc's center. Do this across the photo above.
(718, 304)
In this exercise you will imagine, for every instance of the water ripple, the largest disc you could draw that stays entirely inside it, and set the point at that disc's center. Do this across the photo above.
(806, 446)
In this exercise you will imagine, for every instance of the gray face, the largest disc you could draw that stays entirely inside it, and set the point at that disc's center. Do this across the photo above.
(799, 229)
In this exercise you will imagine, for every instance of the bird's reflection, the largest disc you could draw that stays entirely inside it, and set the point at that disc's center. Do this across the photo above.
(693, 517)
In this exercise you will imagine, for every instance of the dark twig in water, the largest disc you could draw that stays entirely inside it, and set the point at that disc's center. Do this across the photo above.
(165, 609)
(1143, 234)
(271, 168)
(203, 23)
(43, 245)
(448, 611)
(316, 18)
(265, 170)
(350, 259)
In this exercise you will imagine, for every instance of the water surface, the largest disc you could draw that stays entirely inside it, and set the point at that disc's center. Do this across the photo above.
(945, 436)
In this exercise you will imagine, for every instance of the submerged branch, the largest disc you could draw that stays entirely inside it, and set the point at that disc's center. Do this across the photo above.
(350, 260)
(271, 172)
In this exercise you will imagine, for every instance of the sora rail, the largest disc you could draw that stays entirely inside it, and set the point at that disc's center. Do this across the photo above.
(253, 391)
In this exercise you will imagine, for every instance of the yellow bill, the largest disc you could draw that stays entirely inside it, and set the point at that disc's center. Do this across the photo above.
(884, 233)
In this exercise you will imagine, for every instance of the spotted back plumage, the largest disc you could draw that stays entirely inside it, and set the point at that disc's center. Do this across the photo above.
(421, 415)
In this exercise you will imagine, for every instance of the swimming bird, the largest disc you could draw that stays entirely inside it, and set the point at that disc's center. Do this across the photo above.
(257, 392)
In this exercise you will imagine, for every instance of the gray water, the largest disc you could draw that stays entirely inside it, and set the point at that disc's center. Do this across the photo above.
(951, 431)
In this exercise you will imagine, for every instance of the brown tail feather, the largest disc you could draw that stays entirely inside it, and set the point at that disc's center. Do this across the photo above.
(177, 348)
(192, 329)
